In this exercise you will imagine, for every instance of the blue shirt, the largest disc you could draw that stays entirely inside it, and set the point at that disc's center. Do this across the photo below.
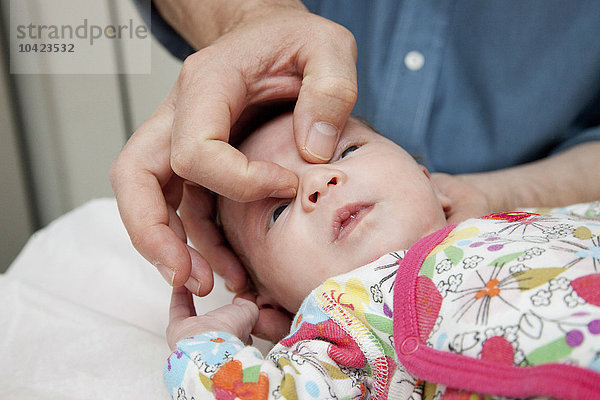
(470, 85)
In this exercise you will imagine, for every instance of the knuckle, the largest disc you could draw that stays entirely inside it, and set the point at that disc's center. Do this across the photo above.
(118, 171)
(243, 188)
(122, 164)
(338, 89)
(188, 67)
(137, 240)
(181, 162)
(142, 237)
(238, 192)
(340, 36)
(242, 192)
(250, 187)
(347, 38)
(244, 316)
(196, 61)
(113, 173)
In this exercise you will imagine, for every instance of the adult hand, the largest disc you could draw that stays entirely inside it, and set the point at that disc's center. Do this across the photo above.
(467, 201)
(237, 318)
(564, 178)
(266, 53)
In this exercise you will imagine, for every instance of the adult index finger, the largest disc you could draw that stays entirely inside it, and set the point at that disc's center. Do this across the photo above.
(137, 176)
(207, 106)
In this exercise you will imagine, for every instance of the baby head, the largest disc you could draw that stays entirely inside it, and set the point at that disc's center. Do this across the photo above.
(370, 199)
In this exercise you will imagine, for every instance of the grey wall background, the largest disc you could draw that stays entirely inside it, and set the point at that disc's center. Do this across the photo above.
(60, 133)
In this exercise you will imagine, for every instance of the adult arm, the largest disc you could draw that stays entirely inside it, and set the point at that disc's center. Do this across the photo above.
(252, 52)
(571, 176)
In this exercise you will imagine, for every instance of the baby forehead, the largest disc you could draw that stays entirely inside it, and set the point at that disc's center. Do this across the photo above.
(271, 141)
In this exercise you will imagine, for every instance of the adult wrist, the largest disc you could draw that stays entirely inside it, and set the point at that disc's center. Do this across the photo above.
(201, 23)
(496, 190)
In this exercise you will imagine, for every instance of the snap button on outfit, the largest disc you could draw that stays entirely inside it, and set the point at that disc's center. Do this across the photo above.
(409, 345)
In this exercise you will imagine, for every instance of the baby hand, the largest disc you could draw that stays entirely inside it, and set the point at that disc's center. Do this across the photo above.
(238, 318)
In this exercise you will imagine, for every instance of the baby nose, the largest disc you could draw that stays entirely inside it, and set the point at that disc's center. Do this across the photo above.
(316, 183)
(314, 197)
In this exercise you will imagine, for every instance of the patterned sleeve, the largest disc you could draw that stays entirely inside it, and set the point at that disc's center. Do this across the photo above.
(340, 346)
(218, 365)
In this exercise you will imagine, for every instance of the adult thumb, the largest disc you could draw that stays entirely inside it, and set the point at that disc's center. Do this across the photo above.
(325, 100)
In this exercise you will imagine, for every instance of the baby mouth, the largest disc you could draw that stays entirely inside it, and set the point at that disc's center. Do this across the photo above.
(347, 218)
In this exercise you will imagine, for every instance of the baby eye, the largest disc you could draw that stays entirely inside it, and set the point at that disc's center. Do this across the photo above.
(277, 213)
(348, 151)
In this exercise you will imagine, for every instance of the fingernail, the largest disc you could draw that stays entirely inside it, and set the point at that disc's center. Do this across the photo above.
(239, 301)
(193, 285)
(167, 273)
(321, 140)
(229, 286)
(284, 193)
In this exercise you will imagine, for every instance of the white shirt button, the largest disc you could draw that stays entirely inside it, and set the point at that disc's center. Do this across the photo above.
(414, 60)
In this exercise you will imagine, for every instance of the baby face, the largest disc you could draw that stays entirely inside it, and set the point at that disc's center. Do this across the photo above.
(371, 198)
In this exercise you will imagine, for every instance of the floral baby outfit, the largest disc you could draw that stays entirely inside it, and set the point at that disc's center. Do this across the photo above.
(507, 305)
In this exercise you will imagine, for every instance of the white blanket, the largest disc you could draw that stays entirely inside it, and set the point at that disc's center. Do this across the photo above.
(82, 315)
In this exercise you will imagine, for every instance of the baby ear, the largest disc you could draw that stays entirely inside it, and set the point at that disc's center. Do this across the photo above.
(445, 201)
(264, 301)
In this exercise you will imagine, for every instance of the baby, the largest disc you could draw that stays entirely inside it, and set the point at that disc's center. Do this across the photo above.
(508, 304)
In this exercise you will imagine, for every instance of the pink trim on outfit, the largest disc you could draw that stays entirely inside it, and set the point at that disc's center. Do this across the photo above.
(467, 373)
